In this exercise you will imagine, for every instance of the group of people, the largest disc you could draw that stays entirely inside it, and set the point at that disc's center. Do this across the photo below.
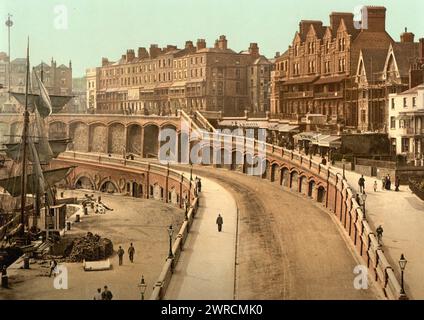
(105, 295)
(121, 252)
(386, 184)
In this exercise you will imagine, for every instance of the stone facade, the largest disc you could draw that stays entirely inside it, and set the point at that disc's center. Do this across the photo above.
(162, 80)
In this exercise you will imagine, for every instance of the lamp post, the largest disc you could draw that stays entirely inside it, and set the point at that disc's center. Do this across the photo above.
(170, 233)
(402, 265)
(143, 287)
(186, 213)
(191, 171)
(344, 167)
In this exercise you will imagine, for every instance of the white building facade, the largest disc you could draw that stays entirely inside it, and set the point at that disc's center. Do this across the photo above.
(406, 123)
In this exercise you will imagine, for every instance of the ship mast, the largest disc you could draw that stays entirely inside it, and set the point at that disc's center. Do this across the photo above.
(25, 147)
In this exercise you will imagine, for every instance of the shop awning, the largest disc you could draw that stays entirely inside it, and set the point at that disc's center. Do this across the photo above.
(301, 80)
(309, 136)
(244, 124)
(330, 80)
(287, 128)
(178, 84)
(329, 141)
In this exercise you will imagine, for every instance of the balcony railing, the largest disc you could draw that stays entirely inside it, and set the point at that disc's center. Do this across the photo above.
(411, 131)
(298, 94)
(326, 95)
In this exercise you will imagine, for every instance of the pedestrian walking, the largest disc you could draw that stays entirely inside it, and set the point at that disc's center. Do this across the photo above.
(98, 295)
(107, 294)
(358, 200)
(361, 183)
(388, 182)
(379, 231)
(219, 222)
(131, 251)
(4, 278)
(53, 265)
(383, 183)
(397, 183)
(375, 186)
(120, 255)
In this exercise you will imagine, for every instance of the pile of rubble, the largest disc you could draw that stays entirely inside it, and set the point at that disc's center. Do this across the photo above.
(90, 248)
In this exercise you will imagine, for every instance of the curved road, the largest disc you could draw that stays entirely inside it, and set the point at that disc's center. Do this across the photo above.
(288, 246)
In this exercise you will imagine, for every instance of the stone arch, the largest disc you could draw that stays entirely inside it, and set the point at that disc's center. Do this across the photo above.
(157, 191)
(285, 177)
(116, 138)
(248, 162)
(274, 173)
(321, 194)
(173, 196)
(151, 141)
(79, 133)
(57, 130)
(164, 132)
(134, 139)
(294, 180)
(237, 161)
(222, 157)
(311, 188)
(108, 186)
(303, 185)
(84, 182)
(98, 138)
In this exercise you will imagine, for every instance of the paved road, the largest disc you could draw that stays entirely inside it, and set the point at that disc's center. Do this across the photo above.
(402, 216)
(289, 247)
(206, 267)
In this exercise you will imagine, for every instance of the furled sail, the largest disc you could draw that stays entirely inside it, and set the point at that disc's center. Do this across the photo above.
(44, 105)
(57, 146)
(51, 177)
(57, 102)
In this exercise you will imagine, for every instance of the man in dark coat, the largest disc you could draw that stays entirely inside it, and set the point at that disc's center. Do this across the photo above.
(361, 183)
(106, 294)
(131, 251)
(120, 255)
(219, 222)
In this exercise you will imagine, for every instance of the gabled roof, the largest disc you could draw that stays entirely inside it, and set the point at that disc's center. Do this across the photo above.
(405, 54)
(373, 61)
(262, 60)
(414, 90)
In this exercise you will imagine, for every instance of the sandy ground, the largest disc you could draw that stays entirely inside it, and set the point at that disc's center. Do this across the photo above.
(288, 246)
(141, 221)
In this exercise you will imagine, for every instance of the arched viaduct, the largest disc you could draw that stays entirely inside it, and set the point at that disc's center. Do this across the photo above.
(292, 171)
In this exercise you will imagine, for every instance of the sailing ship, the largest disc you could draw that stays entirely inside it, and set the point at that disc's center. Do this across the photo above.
(30, 177)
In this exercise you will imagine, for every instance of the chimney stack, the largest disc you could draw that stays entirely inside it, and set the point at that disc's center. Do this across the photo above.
(189, 45)
(336, 18)
(142, 53)
(130, 55)
(421, 50)
(254, 49)
(105, 61)
(222, 42)
(277, 54)
(376, 18)
(154, 51)
(201, 44)
(407, 37)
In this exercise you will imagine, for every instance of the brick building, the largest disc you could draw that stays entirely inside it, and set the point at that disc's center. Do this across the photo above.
(56, 79)
(316, 75)
(382, 72)
(161, 80)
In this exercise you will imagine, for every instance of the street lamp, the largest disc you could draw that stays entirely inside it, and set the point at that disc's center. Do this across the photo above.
(186, 213)
(170, 233)
(344, 167)
(143, 287)
(191, 171)
(402, 265)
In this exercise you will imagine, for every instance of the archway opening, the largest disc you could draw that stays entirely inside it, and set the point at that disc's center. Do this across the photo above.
(151, 141)
(321, 194)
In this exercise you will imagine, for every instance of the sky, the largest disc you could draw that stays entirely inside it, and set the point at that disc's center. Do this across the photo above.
(84, 31)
